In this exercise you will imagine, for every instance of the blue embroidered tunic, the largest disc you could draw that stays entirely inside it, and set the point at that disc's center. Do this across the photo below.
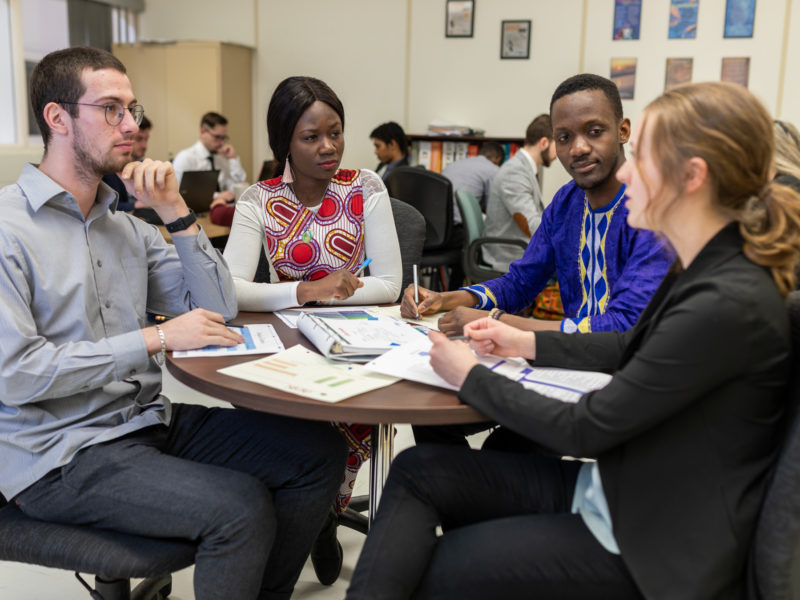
(607, 271)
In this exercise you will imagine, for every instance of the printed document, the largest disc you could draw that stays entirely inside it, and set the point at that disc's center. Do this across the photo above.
(258, 339)
(412, 362)
(306, 373)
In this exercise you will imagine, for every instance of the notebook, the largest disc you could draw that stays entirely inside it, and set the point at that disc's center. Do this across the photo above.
(198, 188)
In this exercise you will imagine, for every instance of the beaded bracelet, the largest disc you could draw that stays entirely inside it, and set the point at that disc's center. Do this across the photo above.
(496, 313)
(161, 356)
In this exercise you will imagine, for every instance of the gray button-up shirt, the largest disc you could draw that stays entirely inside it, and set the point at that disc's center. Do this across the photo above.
(74, 370)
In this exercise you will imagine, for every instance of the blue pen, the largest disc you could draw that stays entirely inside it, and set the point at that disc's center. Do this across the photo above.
(362, 267)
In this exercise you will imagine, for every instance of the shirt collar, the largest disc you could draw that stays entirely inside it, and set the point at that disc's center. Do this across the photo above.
(39, 190)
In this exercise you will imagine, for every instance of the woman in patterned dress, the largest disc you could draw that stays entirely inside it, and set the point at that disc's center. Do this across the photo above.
(315, 224)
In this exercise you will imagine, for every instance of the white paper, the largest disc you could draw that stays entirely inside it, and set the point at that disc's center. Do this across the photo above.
(258, 339)
(412, 362)
(429, 321)
(306, 373)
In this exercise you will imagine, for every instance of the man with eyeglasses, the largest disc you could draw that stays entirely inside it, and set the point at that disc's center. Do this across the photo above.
(86, 437)
(213, 151)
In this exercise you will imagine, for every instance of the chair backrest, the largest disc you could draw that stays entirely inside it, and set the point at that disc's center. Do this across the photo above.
(432, 195)
(775, 557)
(471, 215)
(410, 225)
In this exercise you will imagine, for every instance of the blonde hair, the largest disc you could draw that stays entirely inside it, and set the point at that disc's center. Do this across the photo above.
(787, 149)
(726, 126)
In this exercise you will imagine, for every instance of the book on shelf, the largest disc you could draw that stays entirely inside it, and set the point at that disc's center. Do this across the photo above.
(448, 153)
(436, 156)
(461, 150)
(424, 153)
(473, 149)
(512, 149)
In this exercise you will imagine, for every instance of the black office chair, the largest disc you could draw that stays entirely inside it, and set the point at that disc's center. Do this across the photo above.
(775, 558)
(475, 270)
(411, 231)
(114, 558)
(432, 195)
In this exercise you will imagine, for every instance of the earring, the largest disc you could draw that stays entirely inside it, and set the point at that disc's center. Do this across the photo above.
(287, 172)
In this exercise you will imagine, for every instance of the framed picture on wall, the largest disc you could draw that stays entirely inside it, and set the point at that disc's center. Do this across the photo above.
(679, 70)
(683, 19)
(515, 39)
(623, 73)
(736, 70)
(459, 18)
(739, 17)
(627, 17)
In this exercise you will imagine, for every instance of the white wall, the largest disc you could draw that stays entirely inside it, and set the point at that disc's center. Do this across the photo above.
(790, 103)
(207, 20)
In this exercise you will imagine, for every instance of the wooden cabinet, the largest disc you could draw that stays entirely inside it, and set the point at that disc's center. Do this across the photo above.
(178, 82)
(435, 152)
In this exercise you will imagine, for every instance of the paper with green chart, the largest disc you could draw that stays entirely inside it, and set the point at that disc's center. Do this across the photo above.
(301, 371)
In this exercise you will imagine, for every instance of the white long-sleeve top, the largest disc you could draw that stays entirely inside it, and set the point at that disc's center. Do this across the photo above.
(247, 241)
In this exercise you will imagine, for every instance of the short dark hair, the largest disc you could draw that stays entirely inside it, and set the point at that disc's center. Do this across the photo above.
(590, 81)
(145, 124)
(492, 149)
(292, 97)
(212, 119)
(540, 127)
(57, 78)
(387, 132)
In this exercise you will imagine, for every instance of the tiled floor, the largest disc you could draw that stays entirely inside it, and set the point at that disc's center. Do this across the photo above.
(24, 582)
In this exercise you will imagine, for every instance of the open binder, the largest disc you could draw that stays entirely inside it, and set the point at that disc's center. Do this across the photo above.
(356, 336)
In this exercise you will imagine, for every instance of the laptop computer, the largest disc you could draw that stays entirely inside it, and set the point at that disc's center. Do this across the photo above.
(198, 188)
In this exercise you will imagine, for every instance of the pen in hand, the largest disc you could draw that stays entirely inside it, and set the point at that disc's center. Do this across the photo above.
(416, 291)
(362, 267)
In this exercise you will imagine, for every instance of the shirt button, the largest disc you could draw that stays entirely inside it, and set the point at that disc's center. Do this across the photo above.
(133, 372)
(99, 263)
(108, 303)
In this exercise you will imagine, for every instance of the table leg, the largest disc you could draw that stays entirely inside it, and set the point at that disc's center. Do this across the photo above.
(382, 454)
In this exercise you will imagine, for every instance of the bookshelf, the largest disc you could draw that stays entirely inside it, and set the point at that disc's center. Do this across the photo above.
(435, 152)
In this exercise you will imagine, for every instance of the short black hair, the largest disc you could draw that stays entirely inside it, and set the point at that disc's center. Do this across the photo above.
(590, 81)
(492, 149)
(387, 132)
(212, 119)
(57, 78)
(145, 124)
(292, 97)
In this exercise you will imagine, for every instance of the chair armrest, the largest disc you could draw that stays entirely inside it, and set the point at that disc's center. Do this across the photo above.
(473, 267)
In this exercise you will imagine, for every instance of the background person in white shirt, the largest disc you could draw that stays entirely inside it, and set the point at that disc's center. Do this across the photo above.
(213, 150)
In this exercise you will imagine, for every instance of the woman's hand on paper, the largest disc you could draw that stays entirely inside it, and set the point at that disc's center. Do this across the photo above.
(452, 323)
(452, 361)
(490, 336)
(338, 285)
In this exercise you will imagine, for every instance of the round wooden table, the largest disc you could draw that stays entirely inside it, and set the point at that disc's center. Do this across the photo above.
(401, 402)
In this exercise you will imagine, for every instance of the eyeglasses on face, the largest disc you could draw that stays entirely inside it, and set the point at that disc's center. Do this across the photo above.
(216, 136)
(115, 111)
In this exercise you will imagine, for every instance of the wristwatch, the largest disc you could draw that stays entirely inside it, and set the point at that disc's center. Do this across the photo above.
(182, 223)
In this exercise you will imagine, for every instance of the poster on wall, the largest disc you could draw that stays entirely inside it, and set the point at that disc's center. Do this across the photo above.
(623, 73)
(627, 15)
(739, 18)
(679, 70)
(683, 19)
(515, 39)
(459, 18)
(736, 70)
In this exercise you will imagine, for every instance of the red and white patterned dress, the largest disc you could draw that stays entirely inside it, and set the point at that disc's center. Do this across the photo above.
(304, 245)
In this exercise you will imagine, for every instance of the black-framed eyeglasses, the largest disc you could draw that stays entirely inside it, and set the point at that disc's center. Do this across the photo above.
(216, 136)
(115, 111)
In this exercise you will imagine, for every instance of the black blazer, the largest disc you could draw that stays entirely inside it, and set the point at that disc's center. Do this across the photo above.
(686, 432)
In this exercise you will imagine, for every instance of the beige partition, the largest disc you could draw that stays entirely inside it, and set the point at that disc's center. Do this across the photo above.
(178, 82)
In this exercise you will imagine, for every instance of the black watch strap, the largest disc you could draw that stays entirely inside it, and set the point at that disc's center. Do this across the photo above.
(182, 223)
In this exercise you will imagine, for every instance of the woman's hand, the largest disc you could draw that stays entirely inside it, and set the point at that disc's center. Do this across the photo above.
(338, 285)
(452, 361)
(489, 336)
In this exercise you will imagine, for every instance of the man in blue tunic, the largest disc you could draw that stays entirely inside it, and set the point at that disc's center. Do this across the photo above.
(607, 271)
